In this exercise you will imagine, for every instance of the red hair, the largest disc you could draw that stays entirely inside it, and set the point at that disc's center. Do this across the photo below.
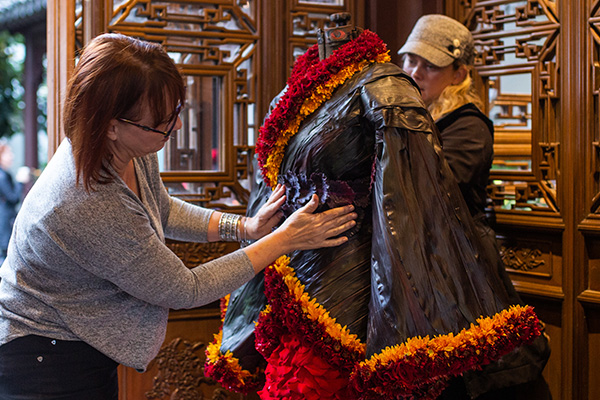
(115, 75)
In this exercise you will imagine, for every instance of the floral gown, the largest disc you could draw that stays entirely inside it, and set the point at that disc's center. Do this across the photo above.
(329, 322)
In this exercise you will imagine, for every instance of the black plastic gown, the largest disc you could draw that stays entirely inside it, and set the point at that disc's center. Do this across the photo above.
(413, 265)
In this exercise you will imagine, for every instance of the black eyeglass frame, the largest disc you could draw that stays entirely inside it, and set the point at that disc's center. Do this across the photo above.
(146, 128)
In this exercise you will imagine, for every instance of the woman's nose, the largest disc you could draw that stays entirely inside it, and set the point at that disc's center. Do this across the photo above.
(417, 72)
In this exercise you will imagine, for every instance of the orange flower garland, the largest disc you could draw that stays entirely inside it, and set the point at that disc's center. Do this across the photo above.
(420, 362)
(225, 368)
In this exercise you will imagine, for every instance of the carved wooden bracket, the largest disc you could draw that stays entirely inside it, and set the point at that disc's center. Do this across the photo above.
(521, 259)
(548, 163)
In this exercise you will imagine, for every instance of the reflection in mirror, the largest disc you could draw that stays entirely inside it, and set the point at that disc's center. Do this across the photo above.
(510, 111)
(196, 146)
(521, 195)
(252, 128)
(205, 194)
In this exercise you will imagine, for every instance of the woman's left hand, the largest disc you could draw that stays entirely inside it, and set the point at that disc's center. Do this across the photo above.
(267, 217)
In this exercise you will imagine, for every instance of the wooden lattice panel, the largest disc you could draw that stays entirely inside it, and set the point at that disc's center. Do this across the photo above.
(516, 44)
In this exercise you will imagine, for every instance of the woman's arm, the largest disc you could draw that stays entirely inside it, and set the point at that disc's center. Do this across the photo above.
(303, 230)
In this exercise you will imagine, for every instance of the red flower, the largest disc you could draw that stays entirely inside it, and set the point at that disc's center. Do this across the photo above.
(296, 371)
(288, 312)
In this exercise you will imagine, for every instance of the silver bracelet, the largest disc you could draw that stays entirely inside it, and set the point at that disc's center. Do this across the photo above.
(244, 230)
(243, 234)
(228, 227)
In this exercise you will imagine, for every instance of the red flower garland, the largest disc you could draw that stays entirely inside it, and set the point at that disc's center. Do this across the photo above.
(308, 74)
(418, 368)
(285, 310)
(419, 362)
(224, 368)
(221, 371)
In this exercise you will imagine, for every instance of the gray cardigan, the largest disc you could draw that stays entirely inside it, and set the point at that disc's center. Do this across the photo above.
(95, 267)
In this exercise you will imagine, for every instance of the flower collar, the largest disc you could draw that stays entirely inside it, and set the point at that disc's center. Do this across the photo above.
(310, 84)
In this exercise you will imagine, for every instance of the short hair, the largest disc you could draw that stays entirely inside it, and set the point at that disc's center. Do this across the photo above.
(114, 77)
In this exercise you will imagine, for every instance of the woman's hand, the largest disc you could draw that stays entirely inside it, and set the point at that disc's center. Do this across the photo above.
(267, 217)
(304, 230)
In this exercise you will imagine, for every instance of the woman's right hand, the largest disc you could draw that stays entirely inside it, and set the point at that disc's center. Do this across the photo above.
(303, 230)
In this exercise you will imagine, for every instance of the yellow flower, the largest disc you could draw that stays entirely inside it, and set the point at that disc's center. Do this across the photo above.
(213, 350)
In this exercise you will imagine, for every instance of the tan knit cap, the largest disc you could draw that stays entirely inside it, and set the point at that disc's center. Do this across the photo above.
(440, 40)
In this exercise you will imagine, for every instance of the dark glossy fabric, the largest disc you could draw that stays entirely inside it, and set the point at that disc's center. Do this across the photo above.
(414, 265)
(467, 138)
(428, 274)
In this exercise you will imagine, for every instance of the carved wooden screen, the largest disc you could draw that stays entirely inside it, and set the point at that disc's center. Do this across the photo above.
(589, 287)
(215, 45)
(591, 223)
(306, 17)
(517, 62)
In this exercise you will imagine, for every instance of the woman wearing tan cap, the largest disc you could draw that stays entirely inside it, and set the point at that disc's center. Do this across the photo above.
(438, 55)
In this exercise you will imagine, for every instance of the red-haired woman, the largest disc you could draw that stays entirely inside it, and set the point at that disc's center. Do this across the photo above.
(88, 281)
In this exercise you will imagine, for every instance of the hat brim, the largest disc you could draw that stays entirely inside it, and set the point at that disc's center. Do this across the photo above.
(428, 52)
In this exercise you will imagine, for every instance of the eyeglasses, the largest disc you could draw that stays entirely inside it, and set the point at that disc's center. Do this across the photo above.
(166, 133)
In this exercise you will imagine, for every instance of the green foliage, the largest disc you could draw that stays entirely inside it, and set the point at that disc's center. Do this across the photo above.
(11, 88)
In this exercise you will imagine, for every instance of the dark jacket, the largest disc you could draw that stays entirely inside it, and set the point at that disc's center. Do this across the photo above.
(467, 140)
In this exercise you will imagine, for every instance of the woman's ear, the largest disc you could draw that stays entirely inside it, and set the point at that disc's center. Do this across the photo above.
(460, 74)
(112, 129)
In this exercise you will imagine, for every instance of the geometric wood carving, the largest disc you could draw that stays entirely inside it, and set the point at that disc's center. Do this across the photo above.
(516, 44)
(193, 254)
